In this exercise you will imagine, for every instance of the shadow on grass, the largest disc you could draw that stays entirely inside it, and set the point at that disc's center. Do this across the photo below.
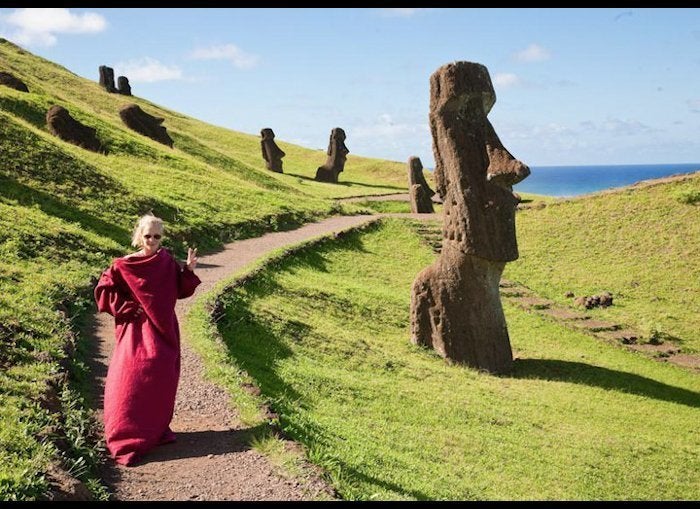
(29, 197)
(380, 483)
(596, 376)
(257, 347)
(348, 183)
(258, 341)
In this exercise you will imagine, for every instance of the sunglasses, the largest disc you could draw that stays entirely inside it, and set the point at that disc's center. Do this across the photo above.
(156, 236)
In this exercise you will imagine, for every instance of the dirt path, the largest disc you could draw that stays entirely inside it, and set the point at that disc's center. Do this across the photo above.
(210, 459)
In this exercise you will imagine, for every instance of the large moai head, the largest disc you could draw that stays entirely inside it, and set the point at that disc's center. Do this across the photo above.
(10, 80)
(123, 86)
(415, 170)
(148, 125)
(107, 78)
(61, 124)
(415, 174)
(337, 154)
(271, 153)
(337, 151)
(418, 188)
(474, 173)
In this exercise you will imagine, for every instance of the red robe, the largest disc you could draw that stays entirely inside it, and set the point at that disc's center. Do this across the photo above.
(144, 371)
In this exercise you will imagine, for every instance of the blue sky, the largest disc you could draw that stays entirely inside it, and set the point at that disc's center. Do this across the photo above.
(574, 86)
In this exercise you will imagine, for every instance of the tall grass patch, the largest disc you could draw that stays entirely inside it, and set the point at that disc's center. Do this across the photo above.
(325, 337)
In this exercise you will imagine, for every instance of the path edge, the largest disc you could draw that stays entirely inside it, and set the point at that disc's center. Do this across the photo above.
(202, 335)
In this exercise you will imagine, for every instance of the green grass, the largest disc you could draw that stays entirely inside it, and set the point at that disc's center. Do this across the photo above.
(639, 243)
(340, 345)
(385, 206)
(324, 334)
(65, 212)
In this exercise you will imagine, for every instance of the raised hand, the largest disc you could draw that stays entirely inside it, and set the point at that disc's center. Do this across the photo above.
(191, 258)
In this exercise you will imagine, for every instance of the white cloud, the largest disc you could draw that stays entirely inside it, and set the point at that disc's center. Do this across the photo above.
(533, 53)
(386, 127)
(506, 79)
(231, 52)
(694, 105)
(625, 127)
(407, 12)
(34, 26)
(147, 70)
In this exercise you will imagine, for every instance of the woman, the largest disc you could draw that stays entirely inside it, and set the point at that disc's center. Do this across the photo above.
(140, 290)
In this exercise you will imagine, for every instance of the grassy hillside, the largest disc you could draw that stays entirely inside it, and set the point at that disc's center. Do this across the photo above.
(324, 334)
(642, 244)
(65, 212)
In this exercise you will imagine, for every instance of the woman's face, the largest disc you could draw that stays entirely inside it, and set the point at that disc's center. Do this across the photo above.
(150, 238)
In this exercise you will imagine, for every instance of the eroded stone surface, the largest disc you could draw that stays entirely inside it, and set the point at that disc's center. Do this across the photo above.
(10, 80)
(123, 86)
(148, 125)
(420, 192)
(271, 153)
(455, 303)
(107, 78)
(61, 124)
(337, 154)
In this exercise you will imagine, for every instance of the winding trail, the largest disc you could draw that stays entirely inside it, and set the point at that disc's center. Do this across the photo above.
(211, 459)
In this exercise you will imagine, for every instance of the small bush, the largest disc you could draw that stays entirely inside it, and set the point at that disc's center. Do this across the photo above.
(689, 197)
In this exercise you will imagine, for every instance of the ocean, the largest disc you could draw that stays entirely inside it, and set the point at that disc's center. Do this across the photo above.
(567, 181)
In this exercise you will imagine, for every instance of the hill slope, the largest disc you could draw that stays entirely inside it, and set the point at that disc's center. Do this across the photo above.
(66, 211)
(640, 243)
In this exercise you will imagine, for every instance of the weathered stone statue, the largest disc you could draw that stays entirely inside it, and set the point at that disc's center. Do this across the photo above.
(61, 124)
(418, 188)
(123, 86)
(270, 151)
(455, 304)
(10, 80)
(107, 78)
(148, 125)
(337, 154)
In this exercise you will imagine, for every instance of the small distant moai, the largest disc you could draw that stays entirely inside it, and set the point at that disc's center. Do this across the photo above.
(10, 80)
(61, 124)
(123, 86)
(337, 154)
(455, 304)
(270, 151)
(148, 125)
(419, 190)
(107, 78)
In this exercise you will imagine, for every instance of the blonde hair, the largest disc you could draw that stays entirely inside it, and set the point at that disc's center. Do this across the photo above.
(143, 223)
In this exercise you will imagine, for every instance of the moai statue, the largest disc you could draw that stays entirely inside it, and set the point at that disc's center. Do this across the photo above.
(123, 86)
(455, 304)
(61, 124)
(148, 125)
(337, 154)
(418, 188)
(107, 78)
(10, 80)
(270, 151)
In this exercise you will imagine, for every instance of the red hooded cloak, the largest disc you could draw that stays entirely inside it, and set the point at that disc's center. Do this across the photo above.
(139, 397)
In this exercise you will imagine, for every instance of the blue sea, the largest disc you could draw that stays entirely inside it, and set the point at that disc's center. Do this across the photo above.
(567, 181)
